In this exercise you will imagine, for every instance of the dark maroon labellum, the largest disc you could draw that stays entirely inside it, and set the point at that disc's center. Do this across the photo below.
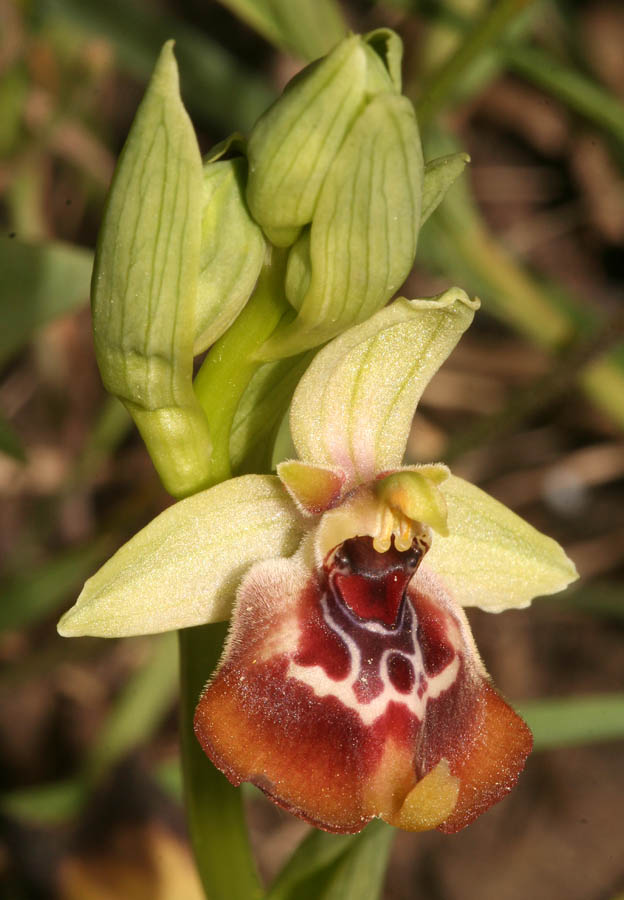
(372, 585)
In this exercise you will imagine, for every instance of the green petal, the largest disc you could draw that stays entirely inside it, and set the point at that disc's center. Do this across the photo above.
(354, 406)
(440, 174)
(184, 567)
(492, 558)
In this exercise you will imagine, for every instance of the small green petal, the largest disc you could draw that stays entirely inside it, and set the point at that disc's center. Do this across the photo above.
(440, 174)
(416, 494)
(184, 567)
(354, 406)
(492, 558)
(313, 488)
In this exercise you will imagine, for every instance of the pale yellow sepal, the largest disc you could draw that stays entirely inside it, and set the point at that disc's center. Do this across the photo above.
(354, 406)
(492, 558)
(184, 567)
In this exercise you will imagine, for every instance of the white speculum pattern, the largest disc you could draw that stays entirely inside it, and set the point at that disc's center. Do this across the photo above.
(425, 687)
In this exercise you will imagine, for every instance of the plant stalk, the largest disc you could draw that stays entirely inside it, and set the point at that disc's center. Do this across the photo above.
(231, 364)
(214, 808)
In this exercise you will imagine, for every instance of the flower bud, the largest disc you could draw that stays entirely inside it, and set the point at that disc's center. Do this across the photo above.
(232, 251)
(336, 174)
(361, 244)
(145, 279)
(293, 145)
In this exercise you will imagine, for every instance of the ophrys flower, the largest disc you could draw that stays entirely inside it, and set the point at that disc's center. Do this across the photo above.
(350, 686)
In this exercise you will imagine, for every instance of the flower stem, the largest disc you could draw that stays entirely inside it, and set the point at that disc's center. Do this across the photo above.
(441, 85)
(214, 808)
(230, 365)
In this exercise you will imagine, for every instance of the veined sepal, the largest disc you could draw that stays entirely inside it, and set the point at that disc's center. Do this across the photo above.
(491, 557)
(184, 567)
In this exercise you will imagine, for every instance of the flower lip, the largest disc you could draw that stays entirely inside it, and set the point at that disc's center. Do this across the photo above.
(371, 584)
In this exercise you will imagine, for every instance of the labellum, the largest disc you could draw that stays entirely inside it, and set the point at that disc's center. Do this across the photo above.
(359, 694)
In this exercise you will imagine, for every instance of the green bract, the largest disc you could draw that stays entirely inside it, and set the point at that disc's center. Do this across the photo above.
(440, 174)
(362, 239)
(294, 143)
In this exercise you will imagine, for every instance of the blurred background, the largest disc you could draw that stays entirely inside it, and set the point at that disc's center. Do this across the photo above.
(530, 406)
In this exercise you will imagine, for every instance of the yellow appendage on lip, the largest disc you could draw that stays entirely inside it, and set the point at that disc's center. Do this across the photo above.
(430, 802)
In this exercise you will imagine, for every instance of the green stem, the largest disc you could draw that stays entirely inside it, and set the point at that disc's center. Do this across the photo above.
(215, 814)
(230, 365)
(214, 808)
(443, 83)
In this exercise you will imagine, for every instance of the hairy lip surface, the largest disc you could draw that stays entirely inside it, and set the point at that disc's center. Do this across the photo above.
(338, 716)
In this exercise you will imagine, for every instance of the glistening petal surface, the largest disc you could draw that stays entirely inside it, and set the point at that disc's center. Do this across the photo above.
(184, 567)
(354, 406)
(492, 558)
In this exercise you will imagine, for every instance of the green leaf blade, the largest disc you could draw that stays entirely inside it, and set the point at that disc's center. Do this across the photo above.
(38, 283)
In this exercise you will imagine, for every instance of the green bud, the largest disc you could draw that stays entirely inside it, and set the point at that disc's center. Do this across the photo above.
(293, 145)
(362, 241)
(232, 251)
(145, 279)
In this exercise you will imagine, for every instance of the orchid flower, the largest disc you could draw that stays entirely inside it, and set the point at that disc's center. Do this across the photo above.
(350, 686)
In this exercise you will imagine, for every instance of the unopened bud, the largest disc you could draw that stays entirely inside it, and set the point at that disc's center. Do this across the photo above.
(362, 241)
(293, 145)
(144, 288)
